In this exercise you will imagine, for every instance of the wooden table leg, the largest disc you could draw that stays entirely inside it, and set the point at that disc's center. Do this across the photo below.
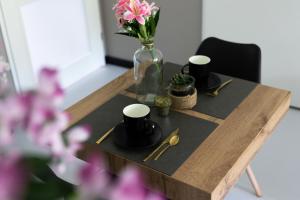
(253, 181)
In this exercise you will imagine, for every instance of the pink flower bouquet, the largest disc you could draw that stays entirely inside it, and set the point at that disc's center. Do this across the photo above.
(137, 18)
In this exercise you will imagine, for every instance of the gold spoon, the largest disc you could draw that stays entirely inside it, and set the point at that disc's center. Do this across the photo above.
(174, 140)
(216, 92)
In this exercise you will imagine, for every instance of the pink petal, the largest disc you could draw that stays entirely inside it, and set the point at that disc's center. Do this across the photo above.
(140, 19)
(78, 134)
(130, 186)
(128, 16)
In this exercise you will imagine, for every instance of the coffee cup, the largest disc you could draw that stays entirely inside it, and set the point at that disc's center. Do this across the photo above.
(136, 118)
(198, 67)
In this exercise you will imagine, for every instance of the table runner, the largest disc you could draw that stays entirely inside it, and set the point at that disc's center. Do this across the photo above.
(193, 132)
(221, 106)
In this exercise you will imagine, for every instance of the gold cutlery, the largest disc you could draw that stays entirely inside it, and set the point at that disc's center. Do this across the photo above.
(166, 141)
(172, 142)
(104, 136)
(216, 92)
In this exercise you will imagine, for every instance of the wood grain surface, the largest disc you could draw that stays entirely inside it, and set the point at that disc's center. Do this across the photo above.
(218, 162)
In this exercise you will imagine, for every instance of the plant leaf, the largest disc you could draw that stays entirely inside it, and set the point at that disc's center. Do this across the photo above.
(128, 34)
(143, 32)
(156, 18)
(151, 26)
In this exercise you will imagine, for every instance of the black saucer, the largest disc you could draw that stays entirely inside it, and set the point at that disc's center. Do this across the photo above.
(144, 140)
(213, 82)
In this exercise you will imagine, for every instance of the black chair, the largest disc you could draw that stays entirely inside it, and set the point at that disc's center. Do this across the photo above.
(233, 59)
(237, 60)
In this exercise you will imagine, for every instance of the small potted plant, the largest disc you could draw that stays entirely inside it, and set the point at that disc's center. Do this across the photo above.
(182, 91)
(163, 104)
(182, 85)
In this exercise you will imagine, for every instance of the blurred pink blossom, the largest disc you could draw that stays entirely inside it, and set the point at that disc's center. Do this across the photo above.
(130, 186)
(76, 137)
(38, 114)
(94, 180)
(12, 178)
(49, 86)
(12, 111)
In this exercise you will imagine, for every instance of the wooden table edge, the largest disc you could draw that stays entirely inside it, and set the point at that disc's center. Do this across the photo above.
(228, 181)
(221, 188)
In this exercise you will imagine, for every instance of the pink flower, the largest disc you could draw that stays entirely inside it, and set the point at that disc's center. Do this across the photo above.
(136, 10)
(45, 126)
(150, 8)
(120, 7)
(12, 178)
(130, 186)
(49, 86)
(75, 138)
(94, 180)
(12, 112)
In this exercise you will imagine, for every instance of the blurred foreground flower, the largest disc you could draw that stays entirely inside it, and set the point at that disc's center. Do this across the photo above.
(12, 178)
(36, 114)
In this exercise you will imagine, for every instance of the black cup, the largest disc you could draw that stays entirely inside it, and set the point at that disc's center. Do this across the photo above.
(136, 119)
(198, 67)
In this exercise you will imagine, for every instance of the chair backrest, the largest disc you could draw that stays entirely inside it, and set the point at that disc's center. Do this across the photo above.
(233, 59)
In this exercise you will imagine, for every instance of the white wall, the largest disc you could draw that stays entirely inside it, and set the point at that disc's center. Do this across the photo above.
(273, 25)
(178, 35)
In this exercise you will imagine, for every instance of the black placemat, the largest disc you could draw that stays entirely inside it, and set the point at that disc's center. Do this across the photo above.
(193, 132)
(221, 106)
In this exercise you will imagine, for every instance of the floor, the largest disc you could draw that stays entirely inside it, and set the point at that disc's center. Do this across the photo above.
(91, 83)
(276, 166)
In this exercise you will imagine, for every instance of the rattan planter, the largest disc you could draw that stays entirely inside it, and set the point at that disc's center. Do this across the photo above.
(185, 102)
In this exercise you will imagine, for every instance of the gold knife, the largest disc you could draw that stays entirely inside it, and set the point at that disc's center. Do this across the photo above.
(175, 132)
(104, 136)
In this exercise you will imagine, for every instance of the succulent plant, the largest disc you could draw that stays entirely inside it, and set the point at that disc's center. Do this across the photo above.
(181, 79)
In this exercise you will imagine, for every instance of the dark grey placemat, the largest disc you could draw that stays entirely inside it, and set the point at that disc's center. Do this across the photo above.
(193, 132)
(228, 99)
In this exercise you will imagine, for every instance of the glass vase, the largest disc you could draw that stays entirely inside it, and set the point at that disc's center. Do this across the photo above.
(148, 73)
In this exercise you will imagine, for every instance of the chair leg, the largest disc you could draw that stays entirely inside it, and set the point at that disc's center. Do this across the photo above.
(253, 181)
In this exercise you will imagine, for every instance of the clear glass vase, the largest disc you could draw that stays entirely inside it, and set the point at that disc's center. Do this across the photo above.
(148, 73)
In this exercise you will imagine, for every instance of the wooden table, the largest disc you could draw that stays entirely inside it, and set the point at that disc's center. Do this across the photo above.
(218, 162)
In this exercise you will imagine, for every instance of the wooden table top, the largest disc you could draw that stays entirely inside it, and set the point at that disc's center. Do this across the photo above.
(218, 162)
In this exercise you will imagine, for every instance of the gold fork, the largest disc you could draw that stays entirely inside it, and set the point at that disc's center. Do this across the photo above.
(216, 92)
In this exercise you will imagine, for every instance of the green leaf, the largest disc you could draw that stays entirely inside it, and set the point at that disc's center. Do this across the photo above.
(49, 190)
(143, 32)
(128, 34)
(44, 183)
(38, 165)
(140, 37)
(156, 18)
(151, 26)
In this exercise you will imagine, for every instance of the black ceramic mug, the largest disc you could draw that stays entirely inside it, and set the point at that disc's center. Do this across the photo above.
(136, 118)
(198, 67)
